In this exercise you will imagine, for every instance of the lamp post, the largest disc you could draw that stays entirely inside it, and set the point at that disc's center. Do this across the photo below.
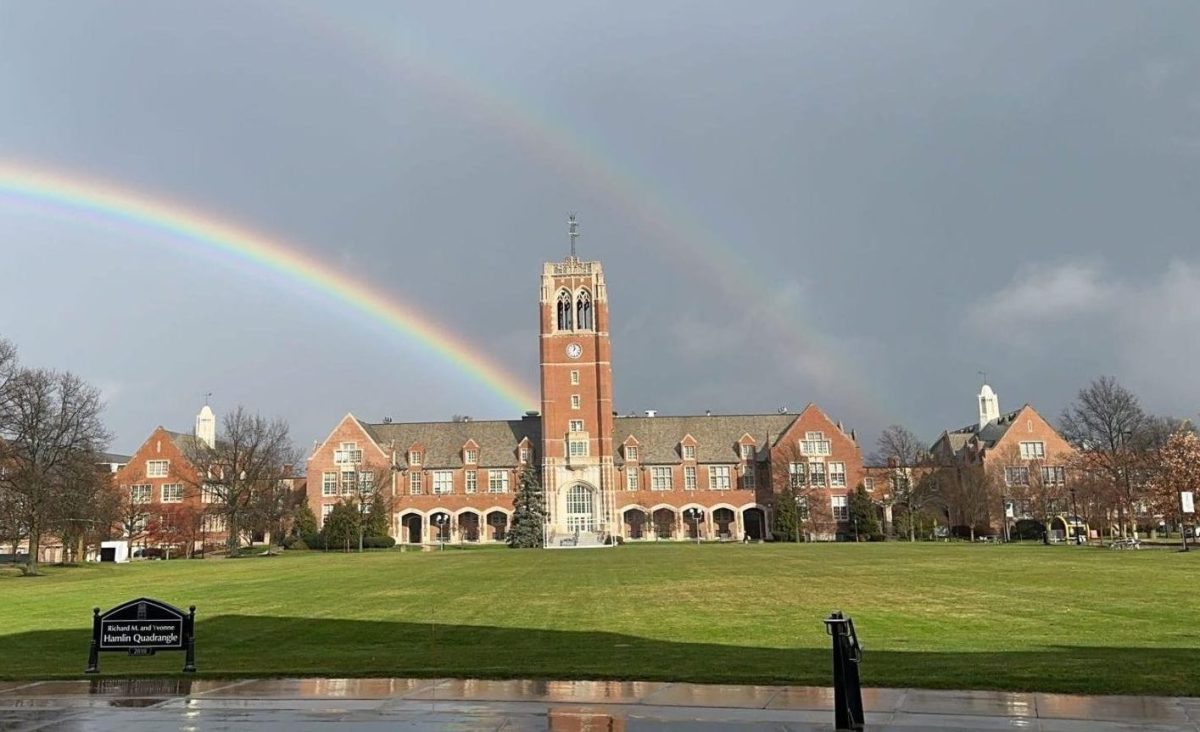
(796, 521)
(696, 515)
(1074, 517)
(441, 520)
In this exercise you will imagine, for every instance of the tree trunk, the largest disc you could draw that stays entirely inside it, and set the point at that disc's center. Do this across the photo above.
(35, 539)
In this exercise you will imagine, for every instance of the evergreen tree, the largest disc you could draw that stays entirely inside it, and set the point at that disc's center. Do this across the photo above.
(863, 517)
(341, 526)
(529, 512)
(306, 521)
(377, 523)
(787, 521)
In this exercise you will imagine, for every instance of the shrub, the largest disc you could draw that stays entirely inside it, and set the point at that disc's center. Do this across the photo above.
(378, 542)
(295, 543)
(1028, 529)
(313, 541)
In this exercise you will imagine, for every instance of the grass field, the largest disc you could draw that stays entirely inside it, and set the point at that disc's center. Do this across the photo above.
(951, 616)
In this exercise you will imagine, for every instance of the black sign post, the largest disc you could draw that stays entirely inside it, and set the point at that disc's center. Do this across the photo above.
(142, 627)
(847, 688)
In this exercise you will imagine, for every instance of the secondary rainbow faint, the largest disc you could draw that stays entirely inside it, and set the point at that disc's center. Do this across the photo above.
(75, 192)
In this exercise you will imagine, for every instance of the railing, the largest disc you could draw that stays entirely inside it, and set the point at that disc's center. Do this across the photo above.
(572, 266)
(847, 688)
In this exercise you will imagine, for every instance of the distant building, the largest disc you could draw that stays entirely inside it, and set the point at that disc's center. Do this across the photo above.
(637, 478)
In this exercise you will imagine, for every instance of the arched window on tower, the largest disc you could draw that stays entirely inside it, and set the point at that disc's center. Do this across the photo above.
(564, 310)
(583, 307)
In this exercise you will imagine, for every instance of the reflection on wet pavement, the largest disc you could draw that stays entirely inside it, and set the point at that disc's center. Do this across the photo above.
(418, 705)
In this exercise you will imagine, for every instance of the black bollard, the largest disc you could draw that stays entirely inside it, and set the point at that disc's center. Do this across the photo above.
(93, 666)
(847, 687)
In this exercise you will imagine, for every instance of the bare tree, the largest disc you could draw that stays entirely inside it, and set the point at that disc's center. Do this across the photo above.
(50, 433)
(902, 452)
(1108, 427)
(274, 506)
(251, 454)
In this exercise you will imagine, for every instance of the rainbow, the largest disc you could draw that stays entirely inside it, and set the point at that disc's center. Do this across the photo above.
(121, 205)
(668, 225)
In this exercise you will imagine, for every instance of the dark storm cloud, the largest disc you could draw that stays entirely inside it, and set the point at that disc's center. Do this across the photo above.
(917, 192)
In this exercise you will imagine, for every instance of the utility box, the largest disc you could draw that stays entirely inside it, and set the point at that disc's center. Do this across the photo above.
(114, 551)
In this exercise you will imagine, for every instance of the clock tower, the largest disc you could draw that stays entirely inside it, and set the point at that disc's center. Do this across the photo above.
(577, 406)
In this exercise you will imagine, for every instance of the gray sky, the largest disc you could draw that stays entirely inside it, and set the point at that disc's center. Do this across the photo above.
(857, 204)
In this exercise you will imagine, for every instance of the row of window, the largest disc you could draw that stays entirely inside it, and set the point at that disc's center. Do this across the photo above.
(347, 482)
(720, 478)
(348, 453)
(574, 313)
(171, 493)
(1018, 475)
(816, 474)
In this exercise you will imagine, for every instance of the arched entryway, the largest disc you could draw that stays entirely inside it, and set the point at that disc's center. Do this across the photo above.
(694, 520)
(441, 525)
(755, 521)
(468, 526)
(581, 508)
(411, 524)
(664, 523)
(724, 522)
(635, 523)
(497, 525)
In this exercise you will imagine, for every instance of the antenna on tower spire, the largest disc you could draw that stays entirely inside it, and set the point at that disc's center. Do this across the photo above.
(573, 232)
(983, 375)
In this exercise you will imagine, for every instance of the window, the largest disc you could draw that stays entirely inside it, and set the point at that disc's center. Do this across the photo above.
(631, 453)
(525, 454)
(414, 457)
(689, 478)
(209, 494)
(366, 483)
(575, 378)
(325, 511)
(837, 475)
(814, 443)
(577, 448)
(1033, 450)
(497, 481)
(414, 484)
(139, 493)
(213, 524)
(443, 482)
(802, 508)
(575, 425)
(472, 481)
(631, 479)
(1016, 476)
(470, 457)
(718, 477)
(816, 474)
(841, 508)
(747, 452)
(172, 492)
(564, 310)
(689, 452)
(796, 475)
(749, 479)
(576, 403)
(157, 468)
(349, 482)
(660, 479)
(583, 310)
(329, 484)
(869, 484)
(347, 454)
(1054, 475)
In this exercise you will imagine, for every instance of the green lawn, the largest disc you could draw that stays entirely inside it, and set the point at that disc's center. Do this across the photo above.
(1074, 619)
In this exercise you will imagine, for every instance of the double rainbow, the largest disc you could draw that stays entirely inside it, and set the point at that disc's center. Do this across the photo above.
(113, 203)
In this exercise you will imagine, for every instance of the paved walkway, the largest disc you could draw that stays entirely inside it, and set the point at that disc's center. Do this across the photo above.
(556, 706)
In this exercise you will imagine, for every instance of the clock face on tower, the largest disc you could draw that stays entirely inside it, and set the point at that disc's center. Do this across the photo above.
(574, 350)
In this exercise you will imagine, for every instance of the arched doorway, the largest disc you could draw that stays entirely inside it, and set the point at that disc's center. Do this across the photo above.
(635, 523)
(755, 520)
(581, 514)
(723, 520)
(497, 522)
(411, 523)
(664, 523)
(468, 526)
(693, 522)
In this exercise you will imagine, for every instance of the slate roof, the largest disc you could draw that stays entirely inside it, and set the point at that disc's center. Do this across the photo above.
(112, 457)
(716, 436)
(988, 435)
(443, 441)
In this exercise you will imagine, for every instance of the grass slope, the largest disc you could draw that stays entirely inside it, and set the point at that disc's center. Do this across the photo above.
(951, 616)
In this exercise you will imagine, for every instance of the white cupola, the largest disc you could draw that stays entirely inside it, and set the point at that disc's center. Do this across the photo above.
(206, 426)
(989, 406)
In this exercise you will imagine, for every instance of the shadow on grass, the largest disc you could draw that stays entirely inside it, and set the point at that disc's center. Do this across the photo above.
(247, 646)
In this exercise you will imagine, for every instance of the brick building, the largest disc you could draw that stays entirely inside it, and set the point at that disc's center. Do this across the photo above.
(1025, 456)
(643, 477)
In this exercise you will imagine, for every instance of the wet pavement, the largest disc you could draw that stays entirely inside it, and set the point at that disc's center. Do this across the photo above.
(416, 705)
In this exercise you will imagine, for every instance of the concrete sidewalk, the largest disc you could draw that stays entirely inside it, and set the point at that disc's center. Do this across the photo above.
(557, 706)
